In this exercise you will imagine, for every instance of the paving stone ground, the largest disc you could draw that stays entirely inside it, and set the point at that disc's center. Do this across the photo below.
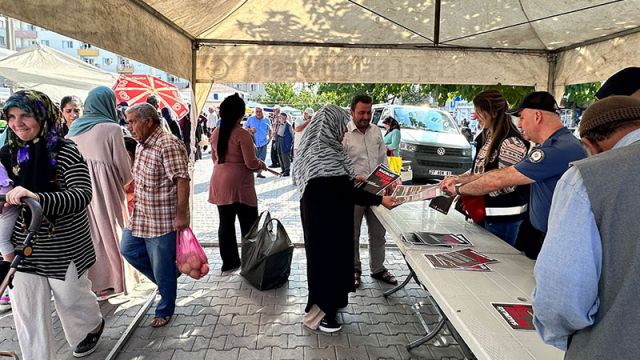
(222, 317)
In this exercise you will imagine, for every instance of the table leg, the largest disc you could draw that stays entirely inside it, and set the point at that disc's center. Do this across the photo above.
(412, 275)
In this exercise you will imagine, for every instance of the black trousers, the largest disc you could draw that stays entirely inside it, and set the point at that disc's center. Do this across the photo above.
(247, 215)
(529, 239)
(275, 161)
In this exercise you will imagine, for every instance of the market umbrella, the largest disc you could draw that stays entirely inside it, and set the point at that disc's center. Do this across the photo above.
(136, 89)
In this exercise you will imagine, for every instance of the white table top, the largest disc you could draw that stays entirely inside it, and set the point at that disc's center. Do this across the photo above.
(465, 297)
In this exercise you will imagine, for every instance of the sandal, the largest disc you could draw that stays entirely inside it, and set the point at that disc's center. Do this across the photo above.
(386, 277)
(160, 321)
(357, 278)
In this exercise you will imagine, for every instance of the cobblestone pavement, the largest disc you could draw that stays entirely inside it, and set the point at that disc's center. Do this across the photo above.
(222, 317)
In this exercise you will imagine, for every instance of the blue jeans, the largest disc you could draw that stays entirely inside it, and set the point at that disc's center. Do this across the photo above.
(507, 231)
(261, 152)
(155, 258)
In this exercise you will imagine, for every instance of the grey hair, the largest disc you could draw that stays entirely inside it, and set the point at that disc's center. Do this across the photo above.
(309, 111)
(258, 107)
(144, 111)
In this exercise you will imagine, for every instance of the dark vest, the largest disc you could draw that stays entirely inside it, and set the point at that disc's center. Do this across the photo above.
(611, 179)
(506, 207)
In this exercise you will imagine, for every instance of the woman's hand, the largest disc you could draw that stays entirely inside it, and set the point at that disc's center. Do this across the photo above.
(389, 202)
(9, 257)
(14, 195)
(360, 179)
(263, 166)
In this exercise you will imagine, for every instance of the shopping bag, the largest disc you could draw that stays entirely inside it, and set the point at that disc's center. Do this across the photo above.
(267, 252)
(473, 207)
(190, 257)
(395, 163)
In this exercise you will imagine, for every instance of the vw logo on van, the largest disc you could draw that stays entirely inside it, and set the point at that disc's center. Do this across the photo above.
(440, 151)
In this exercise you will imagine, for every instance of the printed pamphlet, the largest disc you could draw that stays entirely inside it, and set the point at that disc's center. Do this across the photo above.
(379, 179)
(408, 193)
(465, 259)
(442, 203)
(518, 316)
(436, 239)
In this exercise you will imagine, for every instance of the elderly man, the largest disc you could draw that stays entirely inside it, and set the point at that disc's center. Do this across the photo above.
(260, 127)
(161, 206)
(284, 143)
(557, 147)
(364, 143)
(587, 271)
(299, 127)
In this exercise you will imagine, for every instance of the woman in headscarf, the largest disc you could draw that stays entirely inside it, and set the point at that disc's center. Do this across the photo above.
(100, 141)
(71, 107)
(324, 176)
(45, 167)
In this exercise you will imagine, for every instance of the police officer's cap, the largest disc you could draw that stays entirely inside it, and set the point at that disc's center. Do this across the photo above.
(624, 82)
(537, 100)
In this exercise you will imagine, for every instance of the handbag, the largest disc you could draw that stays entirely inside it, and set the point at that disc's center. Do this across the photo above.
(473, 207)
(267, 252)
(395, 163)
(190, 257)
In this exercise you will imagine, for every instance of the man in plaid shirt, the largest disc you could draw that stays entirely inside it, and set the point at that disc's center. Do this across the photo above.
(161, 198)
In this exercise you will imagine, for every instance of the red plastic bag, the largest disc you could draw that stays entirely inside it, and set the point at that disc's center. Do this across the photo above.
(190, 257)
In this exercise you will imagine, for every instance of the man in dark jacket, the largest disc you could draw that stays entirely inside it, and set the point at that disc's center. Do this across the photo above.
(284, 143)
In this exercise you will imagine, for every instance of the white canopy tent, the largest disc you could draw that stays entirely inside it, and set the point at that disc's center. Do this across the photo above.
(5, 52)
(52, 72)
(545, 43)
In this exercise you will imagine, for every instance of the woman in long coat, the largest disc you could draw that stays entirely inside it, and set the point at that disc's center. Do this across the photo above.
(99, 138)
(324, 176)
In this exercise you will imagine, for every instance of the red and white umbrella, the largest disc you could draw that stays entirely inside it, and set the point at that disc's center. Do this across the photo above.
(136, 89)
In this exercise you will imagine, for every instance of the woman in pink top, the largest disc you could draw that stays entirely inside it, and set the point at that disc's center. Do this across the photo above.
(232, 186)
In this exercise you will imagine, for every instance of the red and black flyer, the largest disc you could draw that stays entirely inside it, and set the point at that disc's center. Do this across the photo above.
(379, 179)
(518, 316)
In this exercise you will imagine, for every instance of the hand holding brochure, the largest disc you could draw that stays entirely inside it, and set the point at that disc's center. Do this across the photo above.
(379, 179)
(408, 193)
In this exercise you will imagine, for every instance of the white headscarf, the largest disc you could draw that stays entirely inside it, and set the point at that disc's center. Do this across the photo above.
(321, 153)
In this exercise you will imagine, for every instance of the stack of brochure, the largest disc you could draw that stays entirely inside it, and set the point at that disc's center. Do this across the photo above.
(465, 259)
(408, 193)
(379, 179)
(435, 239)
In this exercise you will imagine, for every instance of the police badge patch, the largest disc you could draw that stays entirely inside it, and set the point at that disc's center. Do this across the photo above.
(536, 156)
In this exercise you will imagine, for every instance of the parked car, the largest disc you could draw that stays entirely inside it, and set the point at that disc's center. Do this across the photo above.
(429, 138)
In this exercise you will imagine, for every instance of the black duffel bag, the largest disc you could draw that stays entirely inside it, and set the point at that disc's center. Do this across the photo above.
(267, 252)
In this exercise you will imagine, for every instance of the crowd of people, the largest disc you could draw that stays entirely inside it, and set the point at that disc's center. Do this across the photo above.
(114, 186)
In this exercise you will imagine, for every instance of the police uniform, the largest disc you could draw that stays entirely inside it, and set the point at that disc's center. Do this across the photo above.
(545, 165)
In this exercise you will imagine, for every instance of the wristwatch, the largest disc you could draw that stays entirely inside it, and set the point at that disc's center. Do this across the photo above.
(457, 187)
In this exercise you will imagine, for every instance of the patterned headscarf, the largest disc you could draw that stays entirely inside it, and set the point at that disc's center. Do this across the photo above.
(321, 153)
(32, 163)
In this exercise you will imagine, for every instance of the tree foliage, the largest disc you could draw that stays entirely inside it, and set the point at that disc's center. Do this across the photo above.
(317, 95)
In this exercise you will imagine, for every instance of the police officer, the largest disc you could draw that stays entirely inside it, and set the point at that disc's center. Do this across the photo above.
(557, 147)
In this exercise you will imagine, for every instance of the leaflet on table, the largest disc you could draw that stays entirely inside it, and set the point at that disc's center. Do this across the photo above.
(408, 193)
(379, 179)
(464, 259)
(442, 203)
(436, 239)
(518, 316)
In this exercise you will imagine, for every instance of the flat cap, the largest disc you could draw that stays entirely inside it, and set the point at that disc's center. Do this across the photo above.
(612, 109)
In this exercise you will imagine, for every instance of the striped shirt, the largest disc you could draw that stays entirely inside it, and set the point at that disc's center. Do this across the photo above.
(160, 160)
(64, 235)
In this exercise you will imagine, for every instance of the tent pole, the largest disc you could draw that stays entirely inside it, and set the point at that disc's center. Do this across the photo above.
(552, 59)
(436, 24)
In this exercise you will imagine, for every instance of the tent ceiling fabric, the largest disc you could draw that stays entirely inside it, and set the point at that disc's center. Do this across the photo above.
(479, 42)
